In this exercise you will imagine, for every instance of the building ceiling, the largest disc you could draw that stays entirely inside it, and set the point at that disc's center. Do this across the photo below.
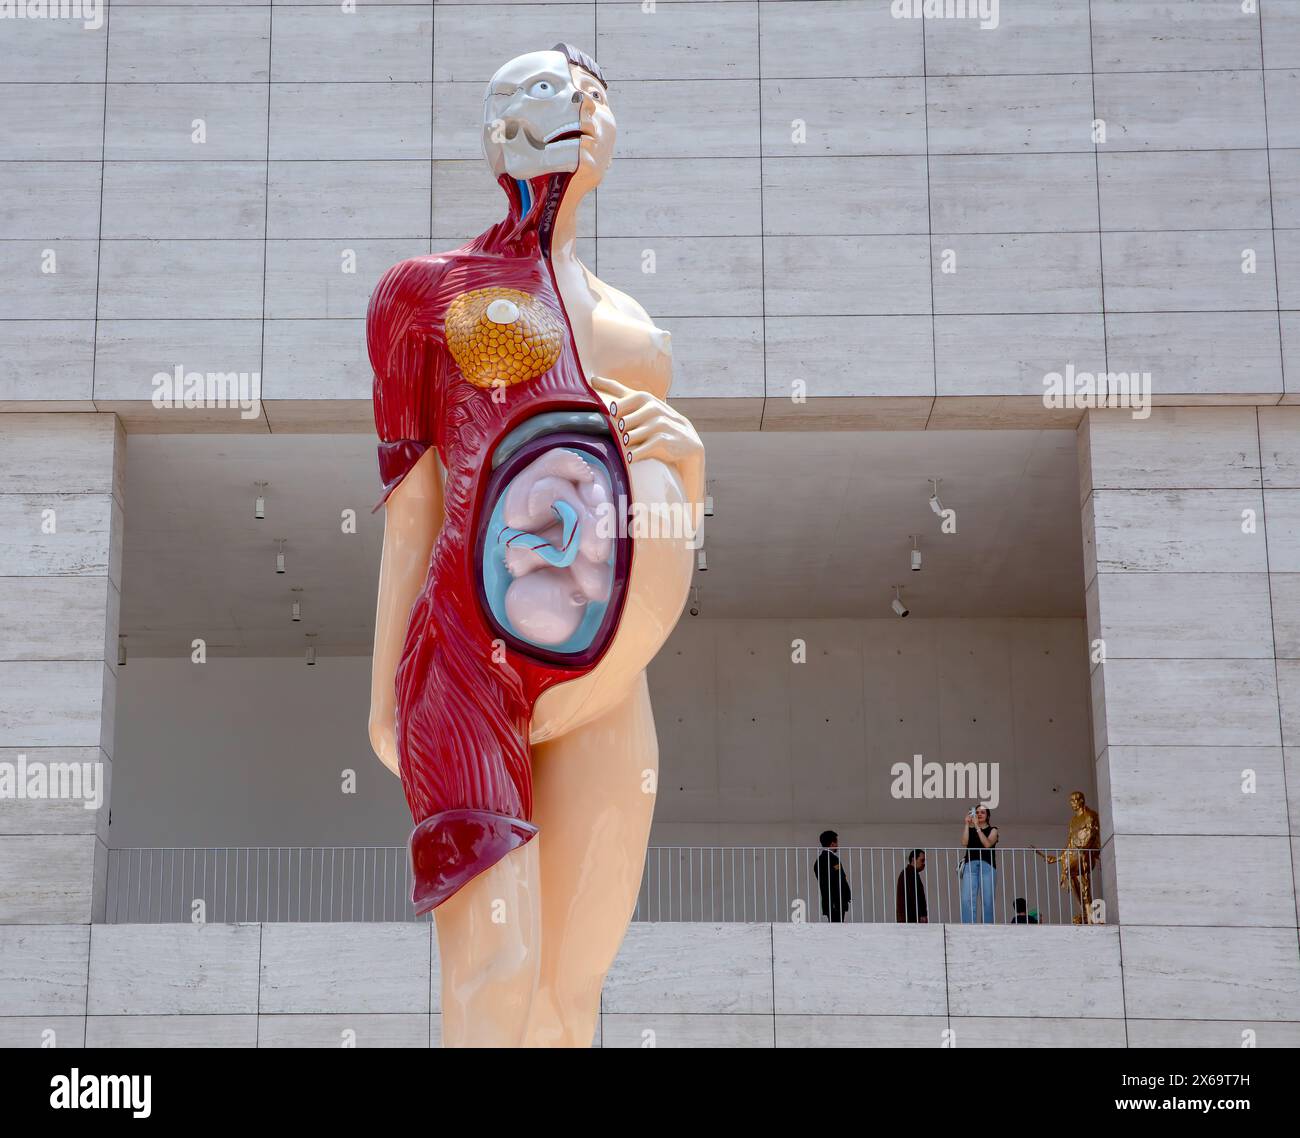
(813, 525)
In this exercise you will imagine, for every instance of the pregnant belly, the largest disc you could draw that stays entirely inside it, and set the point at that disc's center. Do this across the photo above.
(656, 593)
(552, 559)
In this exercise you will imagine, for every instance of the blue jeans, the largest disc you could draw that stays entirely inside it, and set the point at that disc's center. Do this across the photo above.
(977, 879)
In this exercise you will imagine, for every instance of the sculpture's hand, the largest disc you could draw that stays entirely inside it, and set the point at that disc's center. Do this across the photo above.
(653, 429)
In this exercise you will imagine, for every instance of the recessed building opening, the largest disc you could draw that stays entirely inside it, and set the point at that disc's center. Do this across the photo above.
(791, 700)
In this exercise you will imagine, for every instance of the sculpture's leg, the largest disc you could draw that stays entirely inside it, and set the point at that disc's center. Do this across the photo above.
(1084, 885)
(593, 797)
(488, 947)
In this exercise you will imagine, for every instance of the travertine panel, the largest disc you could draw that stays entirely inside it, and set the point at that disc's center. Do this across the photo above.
(90, 448)
(860, 1031)
(1150, 615)
(157, 122)
(47, 878)
(628, 1029)
(689, 41)
(382, 44)
(174, 969)
(1279, 445)
(1173, 790)
(811, 38)
(1211, 1033)
(1203, 880)
(692, 968)
(1191, 355)
(347, 968)
(43, 969)
(55, 704)
(1211, 973)
(1060, 971)
(1019, 1031)
(1218, 703)
(847, 356)
(360, 1030)
(1208, 110)
(327, 121)
(1171, 531)
(1283, 513)
(859, 969)
(1187, 189)
(42, 1031)
(210, 45)
(876, 193)
(172, 1031)
(1004, 273)
(67, 814)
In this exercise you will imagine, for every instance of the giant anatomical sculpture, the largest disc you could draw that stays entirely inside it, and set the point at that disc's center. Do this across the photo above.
(520, 406)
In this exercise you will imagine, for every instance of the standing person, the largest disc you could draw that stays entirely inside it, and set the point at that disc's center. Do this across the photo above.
(909, 898)
(978, 867)
(831, 879)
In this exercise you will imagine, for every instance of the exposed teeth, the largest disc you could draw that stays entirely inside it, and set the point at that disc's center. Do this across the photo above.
(563, 130)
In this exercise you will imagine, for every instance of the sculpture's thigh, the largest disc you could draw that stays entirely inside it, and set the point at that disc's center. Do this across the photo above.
(488, 952)
(594, 792)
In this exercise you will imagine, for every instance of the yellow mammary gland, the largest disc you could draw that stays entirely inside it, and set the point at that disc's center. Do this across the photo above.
(502, 336)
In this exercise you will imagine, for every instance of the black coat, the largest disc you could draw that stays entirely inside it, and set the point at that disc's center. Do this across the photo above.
(833, 882)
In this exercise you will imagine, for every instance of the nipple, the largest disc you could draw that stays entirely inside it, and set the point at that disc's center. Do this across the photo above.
(503, 311)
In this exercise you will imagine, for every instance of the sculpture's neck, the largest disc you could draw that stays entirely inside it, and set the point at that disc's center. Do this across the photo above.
(543, 210)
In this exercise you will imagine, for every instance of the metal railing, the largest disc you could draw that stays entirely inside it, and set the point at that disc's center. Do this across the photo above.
(680, 883)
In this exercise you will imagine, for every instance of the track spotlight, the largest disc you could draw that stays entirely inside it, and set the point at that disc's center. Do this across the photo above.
(311, 651)
(701, 562)
(897, 605)
(708, 505)
(916, 557)
(121, 651)
(695, 602)
(279, 558)
(296, 611)
(259, 506)
(935, 504)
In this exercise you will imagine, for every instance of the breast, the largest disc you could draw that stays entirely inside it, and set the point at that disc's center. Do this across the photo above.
(630, 349)
(502, 336)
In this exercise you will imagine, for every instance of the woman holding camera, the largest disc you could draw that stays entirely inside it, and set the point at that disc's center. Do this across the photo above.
(979, 867)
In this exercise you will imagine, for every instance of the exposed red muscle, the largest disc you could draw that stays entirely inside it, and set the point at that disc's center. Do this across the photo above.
(464, 701)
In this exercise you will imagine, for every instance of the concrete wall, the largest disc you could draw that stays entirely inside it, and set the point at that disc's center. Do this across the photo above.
(1191, 558)
(60, 574)
(754, 749)
(778, 258)
(757, 749)
(672, 985)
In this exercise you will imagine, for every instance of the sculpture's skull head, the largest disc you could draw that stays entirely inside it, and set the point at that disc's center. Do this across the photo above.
(546, 113)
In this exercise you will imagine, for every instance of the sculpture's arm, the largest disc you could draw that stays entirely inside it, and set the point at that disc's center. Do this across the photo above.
(412, 519)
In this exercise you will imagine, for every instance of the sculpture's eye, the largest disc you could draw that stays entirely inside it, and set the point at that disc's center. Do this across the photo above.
(595, 94)
(542, 89)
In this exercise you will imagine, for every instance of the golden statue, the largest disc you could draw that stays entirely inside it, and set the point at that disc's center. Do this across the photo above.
(1082, 850)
